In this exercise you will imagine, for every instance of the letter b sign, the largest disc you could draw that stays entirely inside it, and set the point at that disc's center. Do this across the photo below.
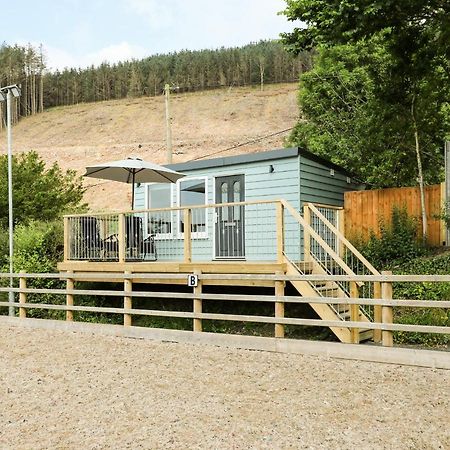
(192, 280)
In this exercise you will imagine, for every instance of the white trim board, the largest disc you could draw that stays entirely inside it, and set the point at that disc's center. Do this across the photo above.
(361, 352)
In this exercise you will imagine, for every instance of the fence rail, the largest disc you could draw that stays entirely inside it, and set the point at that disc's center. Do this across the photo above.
(386, 323)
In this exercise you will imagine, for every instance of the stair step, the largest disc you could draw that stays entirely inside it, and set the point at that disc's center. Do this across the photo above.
(365, 334)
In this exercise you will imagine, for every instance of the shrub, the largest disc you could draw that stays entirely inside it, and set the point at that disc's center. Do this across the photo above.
(37, 248)
(430, 265)
(398, 240)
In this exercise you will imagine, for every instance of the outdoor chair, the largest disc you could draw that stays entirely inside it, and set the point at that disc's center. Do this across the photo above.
(134, 238)
(88, 244)
(149, 248)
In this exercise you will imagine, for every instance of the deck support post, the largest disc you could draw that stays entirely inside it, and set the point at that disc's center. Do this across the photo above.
(306, 235)
(187, 235)
(121, 238)
(279, 307)
(69, 297)
(198, 304)
(280, 231)
(127, 299)
(354, 312)
(377, 317)
(22, 295)
(387, 313)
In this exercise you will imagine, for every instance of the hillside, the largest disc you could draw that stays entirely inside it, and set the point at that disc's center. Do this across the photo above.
(202, 123)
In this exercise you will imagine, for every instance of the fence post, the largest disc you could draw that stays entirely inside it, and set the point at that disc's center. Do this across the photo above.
(187, 235)
(22, 295)
(354, 312)
(280, 231)
(127, 300)
(386, 312)
(306, 235)
(279, 306)
(121, 236)
(69, 297)
(377, 317)
(198, 304)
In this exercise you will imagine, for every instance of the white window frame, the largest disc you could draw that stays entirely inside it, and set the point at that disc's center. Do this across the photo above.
(195, 234)
(158, 236)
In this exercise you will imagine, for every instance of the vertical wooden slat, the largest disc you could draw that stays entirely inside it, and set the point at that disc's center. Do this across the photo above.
(280, 231)
(121, 238)
(69, 297)
(442, 228)
(22, 295)
(364, 209)
(279, 307)
(387, 313)
(187, 235)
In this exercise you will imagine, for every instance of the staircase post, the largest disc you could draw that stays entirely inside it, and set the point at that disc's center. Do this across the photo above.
(306, 235)
(354, 312)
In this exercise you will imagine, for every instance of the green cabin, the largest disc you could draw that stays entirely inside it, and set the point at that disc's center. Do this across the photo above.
(240, 232)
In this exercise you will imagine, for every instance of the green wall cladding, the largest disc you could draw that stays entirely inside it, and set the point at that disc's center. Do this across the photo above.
(296, 179)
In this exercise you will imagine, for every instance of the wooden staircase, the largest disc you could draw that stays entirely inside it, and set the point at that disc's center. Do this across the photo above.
(328, 252)
(327, 289)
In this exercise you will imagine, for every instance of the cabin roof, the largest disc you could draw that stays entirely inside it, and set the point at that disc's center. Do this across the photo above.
(254, 157)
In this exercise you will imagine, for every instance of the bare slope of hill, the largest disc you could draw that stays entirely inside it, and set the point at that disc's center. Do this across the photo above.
(202, 123)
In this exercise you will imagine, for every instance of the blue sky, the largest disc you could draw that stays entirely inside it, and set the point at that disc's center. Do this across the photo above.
(83, 32)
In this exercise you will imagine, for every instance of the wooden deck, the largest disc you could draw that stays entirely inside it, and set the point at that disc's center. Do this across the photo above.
(176, 268)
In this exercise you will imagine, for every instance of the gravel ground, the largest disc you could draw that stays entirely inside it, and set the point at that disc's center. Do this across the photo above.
(70, 391)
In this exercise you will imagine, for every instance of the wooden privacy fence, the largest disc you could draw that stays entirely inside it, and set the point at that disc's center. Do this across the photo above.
(383, 324)
(365, 209)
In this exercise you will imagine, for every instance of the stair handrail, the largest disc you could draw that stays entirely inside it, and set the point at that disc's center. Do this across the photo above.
(319, 239)
(343, 239)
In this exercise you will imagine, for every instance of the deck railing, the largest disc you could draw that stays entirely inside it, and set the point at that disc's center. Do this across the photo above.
(321, 220)
(242, 230)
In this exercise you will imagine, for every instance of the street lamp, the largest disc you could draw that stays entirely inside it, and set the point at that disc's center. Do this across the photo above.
(8, 92)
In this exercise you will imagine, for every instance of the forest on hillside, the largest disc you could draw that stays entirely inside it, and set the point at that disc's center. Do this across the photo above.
(257, 63)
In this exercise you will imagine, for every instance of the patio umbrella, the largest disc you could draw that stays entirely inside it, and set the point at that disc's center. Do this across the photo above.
(133, 170)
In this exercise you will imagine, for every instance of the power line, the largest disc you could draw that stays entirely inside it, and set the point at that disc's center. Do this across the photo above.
(242, 144)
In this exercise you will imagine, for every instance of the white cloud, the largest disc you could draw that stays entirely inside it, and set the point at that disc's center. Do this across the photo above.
(59, 59)
(115, 53)
(158, 14)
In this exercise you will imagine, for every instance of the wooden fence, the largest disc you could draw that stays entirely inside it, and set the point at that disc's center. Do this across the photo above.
(384, 326)
(365, 209)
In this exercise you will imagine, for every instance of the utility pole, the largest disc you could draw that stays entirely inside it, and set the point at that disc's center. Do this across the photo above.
(168, 124)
